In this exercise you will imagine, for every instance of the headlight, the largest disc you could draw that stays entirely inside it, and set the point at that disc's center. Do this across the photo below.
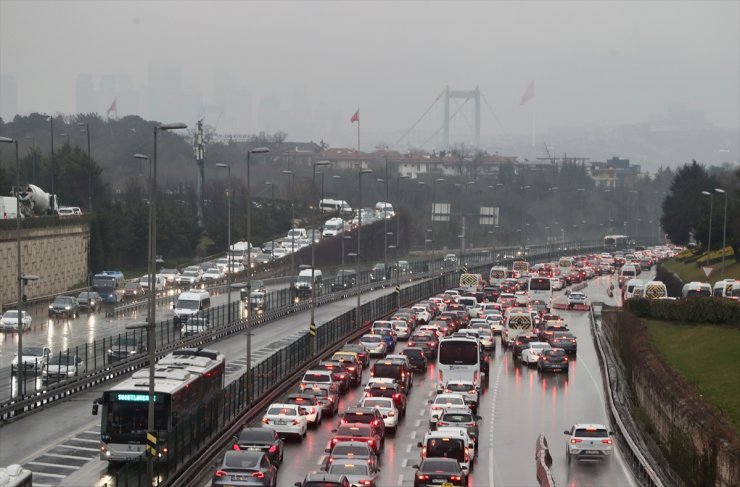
(51, 307)
(67, 308)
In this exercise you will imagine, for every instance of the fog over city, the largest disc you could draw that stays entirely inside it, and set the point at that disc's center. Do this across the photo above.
(607, 75)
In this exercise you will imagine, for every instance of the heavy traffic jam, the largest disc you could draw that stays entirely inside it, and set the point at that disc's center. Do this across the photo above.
(442, 348)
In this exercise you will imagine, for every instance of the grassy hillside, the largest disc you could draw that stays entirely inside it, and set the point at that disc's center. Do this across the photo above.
(691, 272)
(705, 355)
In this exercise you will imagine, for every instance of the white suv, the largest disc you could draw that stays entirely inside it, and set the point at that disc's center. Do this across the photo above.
(588, 441)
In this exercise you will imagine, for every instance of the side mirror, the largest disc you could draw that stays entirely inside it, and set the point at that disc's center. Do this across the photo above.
(419, 445)
(327, 450)
(415, 466)
(566, 432)
(333, 431)
(464, 468)
(298, 484)
(95, 409)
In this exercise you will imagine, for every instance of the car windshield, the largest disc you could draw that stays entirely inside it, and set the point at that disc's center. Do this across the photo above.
(348, 469)
(242, 459)
(372, 339)
(190, 274)
(353, 429)
(65, 300)
(131, 285)
(11, 314)
(345, 449)
(36, 351)
(460, 387)
(63, 359)
(188, 304)
(446, 447)
(555, 353)
(457, 418)
(421, 338)
(591, 433)
(277, 411)
(376, 403)
(257, 434)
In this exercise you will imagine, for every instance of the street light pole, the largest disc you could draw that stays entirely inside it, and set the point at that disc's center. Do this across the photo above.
(51, 160)
(229, 266)
(248, 373)
(724, 230)
(272, 211)
(358, 318)
(312, 324)
(291, 175)
(711, 204)
(89, 165)
(431, 224)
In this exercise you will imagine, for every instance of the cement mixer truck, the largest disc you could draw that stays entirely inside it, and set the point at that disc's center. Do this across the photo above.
(35, 201)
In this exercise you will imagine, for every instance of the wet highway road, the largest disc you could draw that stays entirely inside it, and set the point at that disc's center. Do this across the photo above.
(516, 406)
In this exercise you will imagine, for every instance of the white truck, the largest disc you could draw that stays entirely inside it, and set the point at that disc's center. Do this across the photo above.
(8, 208)
(36, 201)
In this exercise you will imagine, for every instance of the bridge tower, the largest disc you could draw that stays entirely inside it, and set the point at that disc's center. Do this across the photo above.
(466, 95)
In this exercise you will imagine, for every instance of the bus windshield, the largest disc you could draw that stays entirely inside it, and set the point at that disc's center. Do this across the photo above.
(132, 417)
(458, 352)
(539, 284)
(103, 282)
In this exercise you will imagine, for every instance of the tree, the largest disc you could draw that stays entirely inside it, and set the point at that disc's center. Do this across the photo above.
(684, 208)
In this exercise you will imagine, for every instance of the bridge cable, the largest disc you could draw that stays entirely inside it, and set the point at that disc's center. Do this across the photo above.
(420, 118)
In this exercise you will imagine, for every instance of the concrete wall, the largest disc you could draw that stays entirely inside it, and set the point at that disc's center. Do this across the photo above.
(57, 254)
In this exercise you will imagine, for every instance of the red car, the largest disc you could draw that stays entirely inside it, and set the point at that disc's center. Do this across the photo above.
(356, 432)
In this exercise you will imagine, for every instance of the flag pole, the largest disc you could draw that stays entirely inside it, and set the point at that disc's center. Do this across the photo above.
(358, 131)
(534, 117)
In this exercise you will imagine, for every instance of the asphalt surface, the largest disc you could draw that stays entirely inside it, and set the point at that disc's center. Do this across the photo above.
(517, 405)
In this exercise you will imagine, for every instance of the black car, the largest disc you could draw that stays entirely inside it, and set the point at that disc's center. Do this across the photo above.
(439, 471)
(370, 416)
(265, 440)
(64, 307)
(519, 343)
(360, 350)
(378, 273)
(245, 468)
(323, 479)
(351, 449)
(564, 340)
(417, 358)
(553, 360)
(345, 279)
(124, 346)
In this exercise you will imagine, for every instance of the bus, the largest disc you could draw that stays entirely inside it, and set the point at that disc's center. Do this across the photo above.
(109, 285)
(565, 264)
(185, 382)
(458, 359)
(616, 242)
(497, 276)
(520, 267)
(540, 289)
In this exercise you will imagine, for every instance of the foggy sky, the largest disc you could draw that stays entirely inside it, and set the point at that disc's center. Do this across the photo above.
(594, 63)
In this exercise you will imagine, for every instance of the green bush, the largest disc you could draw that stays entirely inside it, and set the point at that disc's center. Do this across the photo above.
(696, 310)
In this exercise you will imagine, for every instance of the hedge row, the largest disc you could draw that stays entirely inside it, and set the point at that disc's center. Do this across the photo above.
(696, 310)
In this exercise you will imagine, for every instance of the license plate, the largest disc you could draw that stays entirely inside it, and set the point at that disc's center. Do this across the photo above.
(254, 448)
(447, 484)
(279, 421)
(590, 452)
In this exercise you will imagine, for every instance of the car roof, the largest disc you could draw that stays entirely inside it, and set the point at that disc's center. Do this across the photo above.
(589, 426)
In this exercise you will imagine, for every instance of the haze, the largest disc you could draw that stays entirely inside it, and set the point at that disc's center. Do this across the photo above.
(305, 67)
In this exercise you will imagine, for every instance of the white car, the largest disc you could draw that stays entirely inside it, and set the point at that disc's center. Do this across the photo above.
(286, 419)
(170, 276)
(576, 297)
(374, 344)
(496, 321)
(9, 321)
(467, 389)
(531, 354)
(422, 314)
(401, 328)
(485, 336)
(442, 401)
(280, 252)
(438, 444)
(213, 274)
(387, 408)
(588, 441)
(62, 367)
(189, 278)
(556, 284)
(33, 358)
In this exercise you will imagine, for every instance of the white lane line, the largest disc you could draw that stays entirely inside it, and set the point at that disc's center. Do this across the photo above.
(405, 463)
(322, 460)
(54, 475)
(491, 457)
(400, 480)
(422, 412)
(417, 423)
(413, 435)
(71, 457)
(83, 448)
(408, 448)
(93, 432)
(57, 465)
(76, 438)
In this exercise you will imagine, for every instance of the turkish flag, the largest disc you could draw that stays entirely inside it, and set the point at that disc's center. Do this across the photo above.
(113, 107)
(528, 94)
(355, 117)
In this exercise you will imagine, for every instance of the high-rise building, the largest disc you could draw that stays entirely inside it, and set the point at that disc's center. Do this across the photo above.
(8, 97)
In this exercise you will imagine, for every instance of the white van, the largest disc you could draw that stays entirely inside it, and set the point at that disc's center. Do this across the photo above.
(517, 323)
(471, 305)
(296, 233)
(331, 206)
(696, 289)
(303, 284)
(727, 288)
(333, 227)
(630, 287)
(190, 303)
(159, 280)
(627, 272)
(383, 209)
(655, 290)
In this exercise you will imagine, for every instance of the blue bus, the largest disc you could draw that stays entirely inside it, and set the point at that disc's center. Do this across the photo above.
(109, 284)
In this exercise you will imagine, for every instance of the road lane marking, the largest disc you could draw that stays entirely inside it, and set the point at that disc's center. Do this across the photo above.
(71, 457)
(83, 448)
(322, 460)
(55, 465)
(54, 475)
(408, 448)
(417, 423)
(491, 457)
(413, 435)
(400, 480)
(405, 463)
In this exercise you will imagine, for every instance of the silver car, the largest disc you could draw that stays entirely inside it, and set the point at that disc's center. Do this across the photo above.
(358, 471)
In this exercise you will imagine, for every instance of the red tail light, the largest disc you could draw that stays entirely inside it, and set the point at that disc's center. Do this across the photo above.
(607, 441)
(259, 475)
(455, 478)
(265, 421)
(396, 397)
(235, 447)
(422, 477)
(573, 441)
(370, 442)
(221, 473)
(442, 423)
(296, 422)
(366, 482)
(273, 449)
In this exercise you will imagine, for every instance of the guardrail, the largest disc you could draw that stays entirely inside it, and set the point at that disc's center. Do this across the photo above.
(169, 339)
(645, 473)
(543, 461)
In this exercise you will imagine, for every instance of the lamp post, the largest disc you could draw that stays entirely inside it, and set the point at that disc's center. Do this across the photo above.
(385, 221)
(229, 265)
(398, 276)
(86, 130)
(358, 318)
(21, 279)
(33, 160)
(51, 160)
(291, 176)
(312, 325)
(151, 317)
(522, 189)
(272, 212)
(65, 135)
(580, 227)
(711, 204)
(398, 210)
(248, 372)
(724, 230)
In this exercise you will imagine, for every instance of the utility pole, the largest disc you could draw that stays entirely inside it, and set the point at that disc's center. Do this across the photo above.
(199, 148)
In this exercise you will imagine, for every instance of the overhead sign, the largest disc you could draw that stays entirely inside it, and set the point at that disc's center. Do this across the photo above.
(441, 212)
(707, 270)
(488, 215)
